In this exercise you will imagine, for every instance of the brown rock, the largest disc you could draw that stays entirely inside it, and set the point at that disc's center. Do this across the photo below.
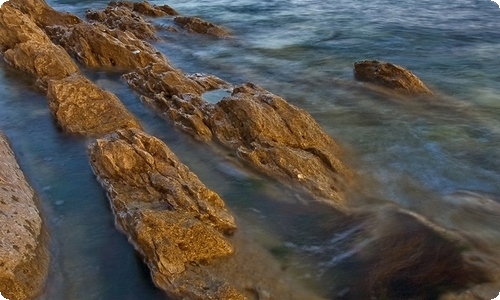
(169, 215)
(82, 107)
(97, 46)
(146, 8)
(16, 27)
(124, 19)
(44, 15)
(24, 256)
(197, 25)
(44, 60)
(390, 76)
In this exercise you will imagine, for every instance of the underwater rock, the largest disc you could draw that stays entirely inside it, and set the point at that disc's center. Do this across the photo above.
(124, 19)
(44, 60)
(80, 106)
(197, 25)
(94, 45)
(25, 29)
(172, 219)
(390, 76)
(24, 255)
(146, 8)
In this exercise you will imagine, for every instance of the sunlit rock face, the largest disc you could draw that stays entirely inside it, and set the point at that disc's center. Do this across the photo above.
(390, 76)
(24, 256)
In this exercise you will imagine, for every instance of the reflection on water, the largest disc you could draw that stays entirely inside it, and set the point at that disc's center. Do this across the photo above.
(428, 170)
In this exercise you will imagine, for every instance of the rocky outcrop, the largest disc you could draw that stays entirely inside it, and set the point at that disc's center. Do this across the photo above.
(82, 107)
(97, 46)
(273, 136)
(145, 8)
(44, 15)
(24, 257)
(124, 19)
(182, 229)
(43, 60)
(197, 25)
(390, 76)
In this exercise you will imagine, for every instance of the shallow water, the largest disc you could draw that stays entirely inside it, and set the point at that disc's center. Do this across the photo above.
(439, 159)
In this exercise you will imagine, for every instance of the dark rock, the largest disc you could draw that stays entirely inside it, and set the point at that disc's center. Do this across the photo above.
(44, 60)
(24, 255)
(390, 76)
(197, 25)
(25, 29)
(82, 107)
(97, 46)
(146, 8)
(124, 19)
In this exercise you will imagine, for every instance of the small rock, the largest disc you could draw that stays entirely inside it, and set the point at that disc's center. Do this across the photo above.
(197, 25)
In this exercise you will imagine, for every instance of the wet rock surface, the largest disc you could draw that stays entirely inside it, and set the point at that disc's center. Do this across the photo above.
(183, 230)
(24, 257)
(82, 107)
(44, 15)
(390, 76)
(145, 8)
(197, 25)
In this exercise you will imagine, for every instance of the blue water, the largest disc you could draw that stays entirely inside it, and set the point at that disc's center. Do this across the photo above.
(439, 159)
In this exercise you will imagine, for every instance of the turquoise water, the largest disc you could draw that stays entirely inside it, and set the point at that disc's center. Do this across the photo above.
(439, 159)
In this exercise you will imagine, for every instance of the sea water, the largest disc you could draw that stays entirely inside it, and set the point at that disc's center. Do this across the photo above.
(437, 159)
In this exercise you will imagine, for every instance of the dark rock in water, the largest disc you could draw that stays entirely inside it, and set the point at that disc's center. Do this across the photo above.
(390, 76)
(281, 140)
(44, 60)
(25, 29)
(197, 25)
(168, 214)
(44, 15)
(124, 19)
(97, 46)
(82, 107)
(146, 8)
(24, 254)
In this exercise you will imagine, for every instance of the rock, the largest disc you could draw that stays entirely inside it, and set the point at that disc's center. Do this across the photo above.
(173, 220)
(24, 255)
(280, 140)
(82, 107)
(44, 60)
(44, 15)
(146, 8)
(25, 29)
(177, 95)
(390, 76)
(124, 19)
(197, 25)
(97, 46)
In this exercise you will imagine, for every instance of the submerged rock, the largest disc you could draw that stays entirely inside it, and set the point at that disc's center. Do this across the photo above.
(24, 255)
(124, 19)
(82, 107)
(146, 8)
(197, 25)
(390, 76)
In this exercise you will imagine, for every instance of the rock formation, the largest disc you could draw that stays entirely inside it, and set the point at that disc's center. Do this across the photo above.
(24, 257)
(197, 25)
(145, 8)
(44, 15)
(124, 19)
(390, 76)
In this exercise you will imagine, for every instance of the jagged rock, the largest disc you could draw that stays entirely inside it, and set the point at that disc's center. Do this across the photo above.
(24, 255)
(82, 107)
(197, 25)
(176, 95)
(168, 214)
(43, 14)
(124, 19)
(97, 46)
(44, 60)
(25, 29)
(390, 76)
(146, 8)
